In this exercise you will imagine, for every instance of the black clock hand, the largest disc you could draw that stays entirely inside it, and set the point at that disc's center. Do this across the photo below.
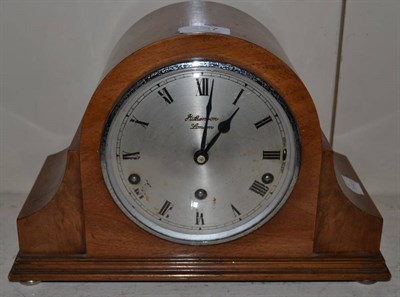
(223, 128)
(208, 112)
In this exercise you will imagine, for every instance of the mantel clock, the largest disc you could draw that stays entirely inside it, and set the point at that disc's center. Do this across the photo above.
(200, 158)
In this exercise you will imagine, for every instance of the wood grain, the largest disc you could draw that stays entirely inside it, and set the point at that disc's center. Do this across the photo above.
(351, 219)
(51, 220)
(290, 231)
(70, 228)
(182, 269)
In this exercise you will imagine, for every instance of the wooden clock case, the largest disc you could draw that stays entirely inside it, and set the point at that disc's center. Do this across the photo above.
(70, 229)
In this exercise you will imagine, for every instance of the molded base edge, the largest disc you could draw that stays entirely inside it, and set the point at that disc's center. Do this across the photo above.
(81, 268)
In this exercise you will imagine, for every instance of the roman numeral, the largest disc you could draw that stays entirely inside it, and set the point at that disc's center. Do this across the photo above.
(202, 87)
(271, 155)
(236, 213)
(143, 124)
(165, 95)
(259, 188)
(238, 96)
(130, 156)
(199, 218)
(167, 206)
(264, 121)
(139, 193)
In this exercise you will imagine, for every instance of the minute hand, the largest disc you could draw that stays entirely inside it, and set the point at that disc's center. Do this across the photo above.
(208, 112)
(223, 128)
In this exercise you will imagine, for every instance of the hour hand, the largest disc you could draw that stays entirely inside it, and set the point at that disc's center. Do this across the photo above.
(223, 128)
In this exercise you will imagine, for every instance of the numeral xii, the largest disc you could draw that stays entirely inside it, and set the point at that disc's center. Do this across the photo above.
(202, 87)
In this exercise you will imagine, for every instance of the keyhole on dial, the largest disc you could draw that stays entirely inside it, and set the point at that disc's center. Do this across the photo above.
(267, 178)
(134, 179)
(200, 194)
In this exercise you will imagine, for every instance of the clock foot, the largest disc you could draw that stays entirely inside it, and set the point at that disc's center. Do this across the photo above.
(367, 282)
(29, 283)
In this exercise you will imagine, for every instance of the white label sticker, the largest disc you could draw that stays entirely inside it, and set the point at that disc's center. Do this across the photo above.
(353, 185)
(204, 29)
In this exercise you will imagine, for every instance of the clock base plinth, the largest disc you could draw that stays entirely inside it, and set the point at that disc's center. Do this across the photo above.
(317, 268)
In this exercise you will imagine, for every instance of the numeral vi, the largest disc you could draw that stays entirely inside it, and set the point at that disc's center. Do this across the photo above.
(199, 218)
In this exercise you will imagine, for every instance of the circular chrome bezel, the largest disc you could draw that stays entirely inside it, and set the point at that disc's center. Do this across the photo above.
(218, 237)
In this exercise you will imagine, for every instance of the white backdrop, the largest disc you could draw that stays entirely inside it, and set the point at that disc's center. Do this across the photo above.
(53, 54)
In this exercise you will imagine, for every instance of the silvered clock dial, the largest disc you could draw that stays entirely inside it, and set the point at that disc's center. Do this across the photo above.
(200, 152)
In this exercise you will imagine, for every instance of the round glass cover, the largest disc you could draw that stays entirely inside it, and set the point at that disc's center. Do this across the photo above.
(200, 152)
